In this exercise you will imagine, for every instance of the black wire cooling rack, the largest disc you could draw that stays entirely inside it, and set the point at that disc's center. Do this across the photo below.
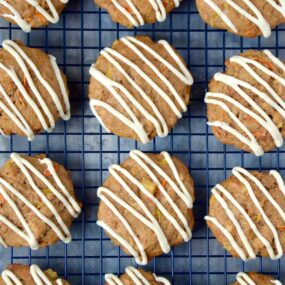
(87, 150)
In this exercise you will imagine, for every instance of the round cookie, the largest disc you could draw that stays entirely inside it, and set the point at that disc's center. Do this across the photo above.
(250, 18)
(139, 88)
(29, 275)
(146, 204)
(135, 276)
(33, 91)
(37, 202)
(255, 278)
(135, 13)
(247, 214)
(246, 103)
(31, 14)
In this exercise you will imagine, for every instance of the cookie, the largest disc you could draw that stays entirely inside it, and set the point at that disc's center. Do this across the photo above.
(246, 103)
(139, 88)
(37, 202)
(136, 276)
(249, 18)
(253, 278)
(33, 91)
(146, 204)
(29, 275)
(135, 13)
(247, 214)
(29, 14)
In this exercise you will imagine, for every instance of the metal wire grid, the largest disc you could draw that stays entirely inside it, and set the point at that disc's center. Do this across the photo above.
(87, 150)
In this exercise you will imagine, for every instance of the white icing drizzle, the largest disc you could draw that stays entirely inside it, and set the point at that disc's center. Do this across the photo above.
(136, 277)
(114, 87)
(3, 243)
(1, 131)
(255, 17)
(244, 279)
(147, 218)
(138, 20)
(17, 17)
(223, 15)
(276, 282)
(38, 276)
(275, 60)
(245, 177)
(41, 110)
(259, 114)
(63, 196)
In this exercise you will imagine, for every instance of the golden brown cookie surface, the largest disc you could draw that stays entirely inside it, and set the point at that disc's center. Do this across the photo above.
(136, 13)
(133, 276)
(246, 103)
(146, 204)
(139, 88)
(246, 214)
(252, 19)
(28, 15)
(33, 93)
(27, 275)
(37, 202)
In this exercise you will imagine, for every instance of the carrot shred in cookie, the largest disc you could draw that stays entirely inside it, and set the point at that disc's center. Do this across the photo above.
(1, 199)
(47, 172)
(164, 183)
(281, 228)
(25, 83)
(128, 9)
(264, 62)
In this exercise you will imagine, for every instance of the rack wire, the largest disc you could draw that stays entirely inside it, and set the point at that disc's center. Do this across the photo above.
(87, 150)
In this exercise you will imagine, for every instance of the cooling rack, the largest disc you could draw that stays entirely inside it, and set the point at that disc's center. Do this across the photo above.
(87, 150)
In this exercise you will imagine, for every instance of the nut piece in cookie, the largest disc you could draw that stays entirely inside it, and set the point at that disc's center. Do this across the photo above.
(33, 91)
(29, 275)
(146, 204)
(250, 18)
(255, 278)
(246, 103)
(136, 276)
(37, 202)
(31, 14)
(135, 13)
(139, 88)
(247, 214)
